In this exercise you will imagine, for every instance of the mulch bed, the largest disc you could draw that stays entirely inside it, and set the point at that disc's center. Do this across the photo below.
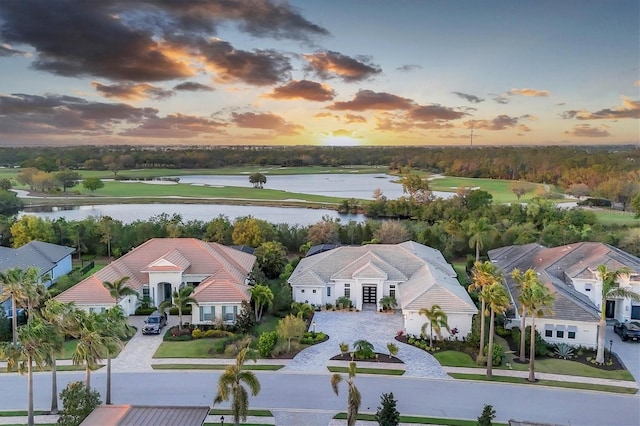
(381, 358)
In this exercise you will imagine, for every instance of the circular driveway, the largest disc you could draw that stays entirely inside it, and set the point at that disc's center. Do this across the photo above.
(377, 328)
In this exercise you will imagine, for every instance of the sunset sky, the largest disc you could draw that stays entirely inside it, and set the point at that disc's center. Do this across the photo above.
(319, 72)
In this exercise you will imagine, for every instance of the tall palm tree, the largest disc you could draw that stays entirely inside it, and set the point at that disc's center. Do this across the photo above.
(437, 320)
(230, 386)
(262, 296)
(115, 329)
(479, 232)
(524, 281)
(35, 345)
(536, 299)
(119, 289)
(354, 399)
(498, 301)
(92, 345)
(181, 299)
(610, 290)
(57, 314)
(13, 285)
(484, 274)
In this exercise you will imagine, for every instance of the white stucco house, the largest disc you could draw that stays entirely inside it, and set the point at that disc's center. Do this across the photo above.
(571, 274)
(416, 275)
(156, 268)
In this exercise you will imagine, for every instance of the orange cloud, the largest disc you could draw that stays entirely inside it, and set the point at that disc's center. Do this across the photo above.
(585, 130)
(131, 91)
(370, 100)
(333, 64)
(353, 118)
(265, 121)
(628, 109)
(528, 92)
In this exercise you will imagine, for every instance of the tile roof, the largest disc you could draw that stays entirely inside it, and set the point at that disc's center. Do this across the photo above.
(189, 255)
(138, 415)
(44, 256)
(422, 273)
(214, 290)
(558, 266)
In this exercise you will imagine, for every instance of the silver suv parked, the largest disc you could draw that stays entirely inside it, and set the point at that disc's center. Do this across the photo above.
(154, 323)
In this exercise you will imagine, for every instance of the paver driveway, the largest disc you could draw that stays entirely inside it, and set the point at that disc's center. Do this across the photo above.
(377, 328)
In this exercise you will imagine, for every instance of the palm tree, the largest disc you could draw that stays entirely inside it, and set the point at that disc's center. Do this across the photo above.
(56, 314)
(115, 329)
(536, 299)
(13, 285)
(437, 319)
(610, 290)
(119, 289)
(230, 386)
(479, 233)
(92, 345)
(301, 309)
(35, 346)
(498, 301)
(262, 296)
(181, 299)
(524, 281)
(353, 394)
(484, 274)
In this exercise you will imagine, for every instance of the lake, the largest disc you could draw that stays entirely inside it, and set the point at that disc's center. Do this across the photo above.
(335, 185)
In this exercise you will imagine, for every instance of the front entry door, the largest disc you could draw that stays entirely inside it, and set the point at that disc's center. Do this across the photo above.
(369, 294)
(167, 291)
(610, 310)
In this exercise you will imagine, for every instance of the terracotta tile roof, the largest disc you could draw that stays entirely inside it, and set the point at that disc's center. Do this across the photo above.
(91, 292)
(213, 290)
(186, 254)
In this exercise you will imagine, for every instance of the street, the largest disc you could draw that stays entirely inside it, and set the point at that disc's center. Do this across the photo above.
(282, 391)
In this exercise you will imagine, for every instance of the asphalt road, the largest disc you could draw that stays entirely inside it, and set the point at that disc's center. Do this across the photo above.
(297, 391)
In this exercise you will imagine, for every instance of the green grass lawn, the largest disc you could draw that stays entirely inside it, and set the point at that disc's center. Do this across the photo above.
(553, 383)
(365, 370)
(248, 366)
(572, 368)
(454, 359)
(613, 217)
(199, 348)
(267, 323)
(420, 420)
(500, 189)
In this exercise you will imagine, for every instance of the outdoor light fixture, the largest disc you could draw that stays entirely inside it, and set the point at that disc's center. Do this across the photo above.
(313, 324)
(610, 346)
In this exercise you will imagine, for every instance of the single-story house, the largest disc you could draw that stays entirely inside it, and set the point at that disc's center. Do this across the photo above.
(571, 274)
(417, 276)
(51, 260)
(160, 266)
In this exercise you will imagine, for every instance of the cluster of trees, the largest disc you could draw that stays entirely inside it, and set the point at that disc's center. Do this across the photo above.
(564, 165)
(49, 322)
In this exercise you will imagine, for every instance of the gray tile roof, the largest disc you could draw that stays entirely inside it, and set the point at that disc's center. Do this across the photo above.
(558, 266)
(43, 256)
(422, 273)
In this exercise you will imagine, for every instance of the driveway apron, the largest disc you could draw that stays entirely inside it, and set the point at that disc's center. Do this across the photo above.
(377, 328)
(628, 352)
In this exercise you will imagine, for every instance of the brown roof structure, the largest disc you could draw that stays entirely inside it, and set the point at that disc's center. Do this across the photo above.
(227, 267)
(557, 267)
(137, 415)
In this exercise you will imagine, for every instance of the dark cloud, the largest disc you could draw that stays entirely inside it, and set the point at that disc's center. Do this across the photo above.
(57, 114)
(175, 126)
(628, 109)
(273, 122)
(435, 112)
(353, 118)
(260, 67)
(500, 99)
(191, 86)
(142, 40)
(471, 98)
(585, 130)
(333, 64)
(132, 91)
(501, 122)
(303, 89)
(409, 67)
(370, 100)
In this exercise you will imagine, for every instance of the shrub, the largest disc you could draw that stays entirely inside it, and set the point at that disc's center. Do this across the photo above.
(174, 334)
(198, 333)
(266, 343)
(363, 349)
(542, 347)
(496, 354)
(487, 416)
(185, 311)
(145, 311)
(387, 414)
(77, 402)
(564, 351)
(343, 302)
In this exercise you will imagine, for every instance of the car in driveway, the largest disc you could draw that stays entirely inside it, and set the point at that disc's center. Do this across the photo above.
(154, 323)
(627, 330)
